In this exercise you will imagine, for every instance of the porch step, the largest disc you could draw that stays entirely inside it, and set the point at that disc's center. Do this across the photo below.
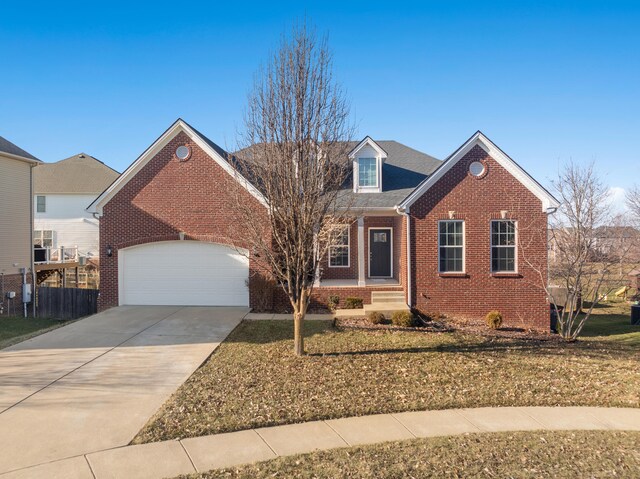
(385, 308)
(387, 297)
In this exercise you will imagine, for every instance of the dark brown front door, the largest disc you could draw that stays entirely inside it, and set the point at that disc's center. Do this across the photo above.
(379, 253)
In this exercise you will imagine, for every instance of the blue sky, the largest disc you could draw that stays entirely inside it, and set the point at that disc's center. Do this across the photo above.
(547, 81)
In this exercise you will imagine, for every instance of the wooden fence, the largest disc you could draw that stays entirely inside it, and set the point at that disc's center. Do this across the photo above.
(66, 303)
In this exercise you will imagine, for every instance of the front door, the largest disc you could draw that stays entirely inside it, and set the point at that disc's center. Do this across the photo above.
(380, 253)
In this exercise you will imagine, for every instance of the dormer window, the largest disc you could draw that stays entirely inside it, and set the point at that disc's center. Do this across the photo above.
(367, 172)
(368, 158)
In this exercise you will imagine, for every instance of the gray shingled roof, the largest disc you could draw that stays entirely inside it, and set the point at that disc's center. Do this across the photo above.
(80, 173)
(7, 147)
(402, 172)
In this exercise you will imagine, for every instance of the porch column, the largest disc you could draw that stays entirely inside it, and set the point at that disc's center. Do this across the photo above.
(361, 276)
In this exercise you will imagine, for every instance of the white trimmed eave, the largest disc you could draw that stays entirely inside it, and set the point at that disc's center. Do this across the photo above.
(179, 126)
(11, 156)
(368, 141)
(549, 203)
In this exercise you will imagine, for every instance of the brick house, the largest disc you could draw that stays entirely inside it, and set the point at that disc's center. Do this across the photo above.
(461, 236)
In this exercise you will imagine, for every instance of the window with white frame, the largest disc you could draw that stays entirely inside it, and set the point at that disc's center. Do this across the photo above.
(503, 246)
(339, 247)
(451, 246)
(41, 204)
(43, 238)
(367, 172)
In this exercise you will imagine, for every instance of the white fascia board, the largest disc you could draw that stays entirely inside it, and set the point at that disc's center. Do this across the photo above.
(11, 156)
(367, 141)
(548, 201)
(149, 153)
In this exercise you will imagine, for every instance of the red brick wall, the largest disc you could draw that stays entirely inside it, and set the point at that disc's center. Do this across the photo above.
(165, 197)
(344, 273)
(476, 201)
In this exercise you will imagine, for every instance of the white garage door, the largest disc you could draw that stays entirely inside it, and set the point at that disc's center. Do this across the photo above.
(183, 273)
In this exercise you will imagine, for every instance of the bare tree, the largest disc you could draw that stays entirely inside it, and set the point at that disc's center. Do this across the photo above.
(633, 203)
(583, 268)
(294, 149)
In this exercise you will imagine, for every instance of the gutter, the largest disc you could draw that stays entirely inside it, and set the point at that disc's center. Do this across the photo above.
(404, 212)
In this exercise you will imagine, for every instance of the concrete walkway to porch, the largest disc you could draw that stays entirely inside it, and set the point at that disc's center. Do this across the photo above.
(171, 458)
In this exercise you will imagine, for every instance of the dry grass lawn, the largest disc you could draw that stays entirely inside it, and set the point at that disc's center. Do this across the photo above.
(253, 380)
(532, 455)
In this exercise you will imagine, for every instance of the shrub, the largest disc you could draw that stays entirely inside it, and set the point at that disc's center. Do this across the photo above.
(352, 303)
(375, 317)
(494, 319)
(402, 318)
(333, 302)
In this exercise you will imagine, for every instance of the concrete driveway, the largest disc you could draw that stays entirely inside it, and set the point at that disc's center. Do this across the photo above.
(94, 384)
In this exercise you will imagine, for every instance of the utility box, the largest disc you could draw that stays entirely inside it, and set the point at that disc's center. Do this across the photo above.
(26, 293)
(11, 294)
(635, 315)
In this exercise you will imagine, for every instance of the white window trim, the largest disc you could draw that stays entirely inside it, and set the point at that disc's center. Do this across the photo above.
(377, 168)
(390, 228)
(44, 210)
(464, 247)
(348, 265)
(515, 246)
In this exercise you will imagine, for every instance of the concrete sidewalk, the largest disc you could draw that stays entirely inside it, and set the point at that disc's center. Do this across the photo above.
(171, 458)
(93, 385)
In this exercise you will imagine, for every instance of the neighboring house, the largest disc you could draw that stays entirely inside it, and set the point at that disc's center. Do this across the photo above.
(436, 236)
(62, 225)
(16, 254)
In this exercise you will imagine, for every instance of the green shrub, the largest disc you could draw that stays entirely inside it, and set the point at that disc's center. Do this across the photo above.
(376, 318)
(402, 318)
(333, 302)
(494, 319)
(352, 303)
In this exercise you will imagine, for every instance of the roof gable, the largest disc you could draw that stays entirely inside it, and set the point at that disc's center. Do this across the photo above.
(368, 141)
(78, 174)
(479, 139)
(210, 148)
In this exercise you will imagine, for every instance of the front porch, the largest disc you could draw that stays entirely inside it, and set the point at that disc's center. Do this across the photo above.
(353, 283)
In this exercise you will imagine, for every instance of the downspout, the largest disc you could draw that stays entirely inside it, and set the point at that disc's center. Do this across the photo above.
(33, 261)
(403, 211)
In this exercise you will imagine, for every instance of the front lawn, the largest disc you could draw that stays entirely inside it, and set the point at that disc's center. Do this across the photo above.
(16, 329)
(254, 380)
(561, 455)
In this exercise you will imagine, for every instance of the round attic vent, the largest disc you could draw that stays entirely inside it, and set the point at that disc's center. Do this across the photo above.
(183, 152)
(477, 168)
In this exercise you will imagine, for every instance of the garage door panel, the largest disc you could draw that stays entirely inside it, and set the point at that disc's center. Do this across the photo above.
(183, 273)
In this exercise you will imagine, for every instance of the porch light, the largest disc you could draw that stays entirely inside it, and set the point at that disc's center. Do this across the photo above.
(109, 251)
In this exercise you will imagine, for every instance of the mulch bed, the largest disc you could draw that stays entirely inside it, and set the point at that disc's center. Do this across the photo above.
(448, 325)
(363, 323)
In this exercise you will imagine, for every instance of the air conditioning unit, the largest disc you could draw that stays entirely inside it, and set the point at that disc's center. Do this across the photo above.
(82, 260)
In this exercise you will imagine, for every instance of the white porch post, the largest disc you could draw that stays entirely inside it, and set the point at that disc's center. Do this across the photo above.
(361, 277)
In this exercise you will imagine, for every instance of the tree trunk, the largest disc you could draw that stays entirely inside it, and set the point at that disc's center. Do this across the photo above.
(298, 340)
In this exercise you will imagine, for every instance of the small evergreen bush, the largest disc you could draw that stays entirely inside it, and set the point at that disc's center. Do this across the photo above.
(352, 303)
(333, 302)
(494, 319)
(402, 318)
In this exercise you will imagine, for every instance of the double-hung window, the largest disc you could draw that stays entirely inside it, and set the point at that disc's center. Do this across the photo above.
(339, 247)
(503, 246)
(451, 246)
(41, 204)
(367, 172)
